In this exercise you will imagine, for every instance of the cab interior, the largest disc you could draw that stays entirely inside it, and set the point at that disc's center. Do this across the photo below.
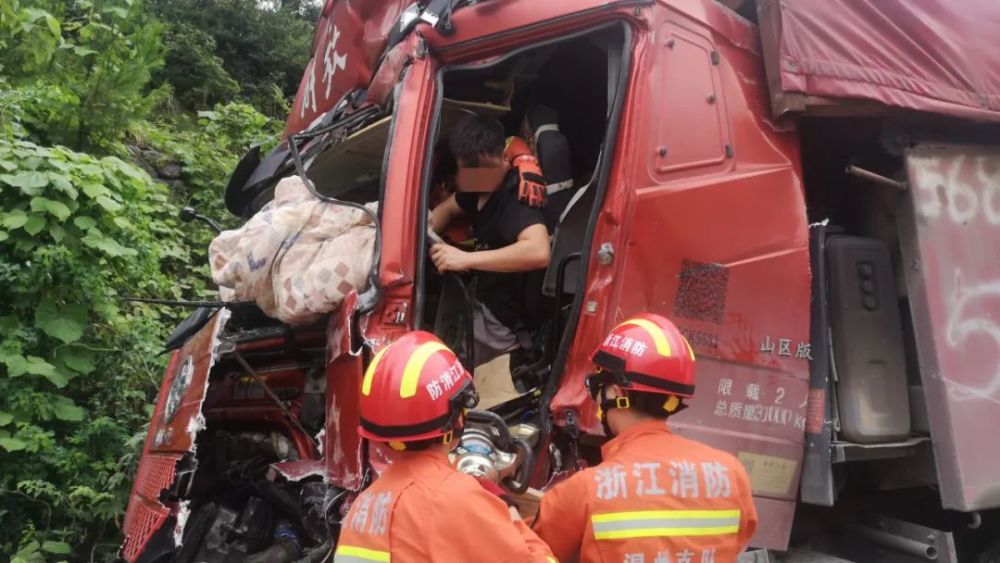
(562, 76)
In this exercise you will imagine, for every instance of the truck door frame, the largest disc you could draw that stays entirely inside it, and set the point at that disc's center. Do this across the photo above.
(601, 175)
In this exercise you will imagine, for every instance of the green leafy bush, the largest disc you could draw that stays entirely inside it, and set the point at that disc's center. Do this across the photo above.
(78, 365)
(193, 69)
(83, 67)
(209, 150)
(261, 48)
(80, 231)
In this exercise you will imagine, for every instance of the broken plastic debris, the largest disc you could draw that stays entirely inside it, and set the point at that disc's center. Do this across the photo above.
(196, 425)
(298, 470)
(319, 440)
(183, 512)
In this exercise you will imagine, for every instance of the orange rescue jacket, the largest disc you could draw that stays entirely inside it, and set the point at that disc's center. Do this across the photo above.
(422, 510)
(656, 498)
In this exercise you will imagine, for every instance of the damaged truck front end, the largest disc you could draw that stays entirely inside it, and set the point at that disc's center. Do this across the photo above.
(232, 464)
(252, 453)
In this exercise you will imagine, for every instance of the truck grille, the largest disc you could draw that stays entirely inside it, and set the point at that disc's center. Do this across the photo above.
(145, 514)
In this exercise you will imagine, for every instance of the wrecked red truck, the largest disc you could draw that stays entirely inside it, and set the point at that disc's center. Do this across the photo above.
(811, 191)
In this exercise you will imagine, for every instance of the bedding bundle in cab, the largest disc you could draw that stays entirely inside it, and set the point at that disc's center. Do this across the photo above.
(801, 190)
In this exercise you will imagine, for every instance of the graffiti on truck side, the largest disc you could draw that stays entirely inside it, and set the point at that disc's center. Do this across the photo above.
(968, 316)
(948, 187)
(958, 195)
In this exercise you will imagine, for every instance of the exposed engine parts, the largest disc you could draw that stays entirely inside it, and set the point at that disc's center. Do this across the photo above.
(243, 511)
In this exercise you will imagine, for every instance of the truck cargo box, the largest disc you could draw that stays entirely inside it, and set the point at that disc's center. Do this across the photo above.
(846, 56)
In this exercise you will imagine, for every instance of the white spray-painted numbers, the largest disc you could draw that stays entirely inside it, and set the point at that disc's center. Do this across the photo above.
(958, 195)
(969, 319)
(944, 190)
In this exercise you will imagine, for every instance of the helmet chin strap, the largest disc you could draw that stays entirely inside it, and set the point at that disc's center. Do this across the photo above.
(452, 435)
(606, 404)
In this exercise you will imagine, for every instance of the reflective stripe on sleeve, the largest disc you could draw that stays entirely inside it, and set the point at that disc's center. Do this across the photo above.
(664, 523)
(355, 554)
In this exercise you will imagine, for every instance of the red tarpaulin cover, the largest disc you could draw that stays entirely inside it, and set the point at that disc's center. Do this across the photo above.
(938, 56)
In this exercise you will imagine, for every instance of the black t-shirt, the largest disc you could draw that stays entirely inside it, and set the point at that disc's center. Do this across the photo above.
(496, 225)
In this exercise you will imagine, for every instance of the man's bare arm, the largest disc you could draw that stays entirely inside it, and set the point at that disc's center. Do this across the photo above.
(446, 212)
(529, 252)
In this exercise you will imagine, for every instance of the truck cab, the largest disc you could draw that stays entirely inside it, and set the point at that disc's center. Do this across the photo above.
(815, 252)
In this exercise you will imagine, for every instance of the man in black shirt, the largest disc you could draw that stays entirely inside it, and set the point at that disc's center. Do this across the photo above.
(511, 238)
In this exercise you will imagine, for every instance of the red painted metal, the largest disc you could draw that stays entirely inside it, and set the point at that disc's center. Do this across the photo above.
(142, 520)
(300, 469)
(401, 202)
(710, 206)
(515, 23)
(724, 237)
(706, 215)
(880, 51)
(349, 39)
(954, 285)
(145, 513)
(341, 442)
(302, 339)
(177, 434)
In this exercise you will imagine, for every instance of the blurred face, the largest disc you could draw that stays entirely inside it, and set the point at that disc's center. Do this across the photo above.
(482, 176)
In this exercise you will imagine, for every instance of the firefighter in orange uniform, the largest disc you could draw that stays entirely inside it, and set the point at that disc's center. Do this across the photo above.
(656, 497)
(413, 397)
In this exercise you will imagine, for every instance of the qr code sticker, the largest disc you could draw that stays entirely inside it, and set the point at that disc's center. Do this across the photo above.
(701, 295)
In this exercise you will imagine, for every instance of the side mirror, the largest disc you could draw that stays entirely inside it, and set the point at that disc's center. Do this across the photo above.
(189, 214)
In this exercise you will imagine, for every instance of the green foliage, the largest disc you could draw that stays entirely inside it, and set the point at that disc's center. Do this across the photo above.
(80, 233)
(209, 151)
(193, 70)
(11, 111)
(81, 68)
(261, 49)
(28, 37)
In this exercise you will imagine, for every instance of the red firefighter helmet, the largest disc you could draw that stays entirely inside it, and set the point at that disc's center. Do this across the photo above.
(645, 353)
(414, 389)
